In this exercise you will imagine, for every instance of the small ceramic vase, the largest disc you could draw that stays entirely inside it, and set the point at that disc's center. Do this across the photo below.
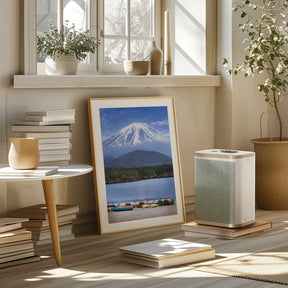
(156, 59)
(23, 153)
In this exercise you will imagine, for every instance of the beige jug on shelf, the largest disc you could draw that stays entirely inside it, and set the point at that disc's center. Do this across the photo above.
(23, 153)
(155, 55)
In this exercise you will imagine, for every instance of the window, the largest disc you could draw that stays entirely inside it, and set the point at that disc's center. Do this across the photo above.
(126, 28)
(130, 27)
(193, 36)
(58, 12)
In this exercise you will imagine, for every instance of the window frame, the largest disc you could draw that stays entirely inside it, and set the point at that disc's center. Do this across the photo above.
(118, 68)
(30, 31)
(31, 66)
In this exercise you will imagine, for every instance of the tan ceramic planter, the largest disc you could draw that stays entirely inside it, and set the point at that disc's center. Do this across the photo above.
(271, 173)
(23, 153)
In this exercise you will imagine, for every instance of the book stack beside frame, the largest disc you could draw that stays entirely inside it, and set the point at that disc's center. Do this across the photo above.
(194, 229)
(53, 129)
(166, 252)
(16, 246)
(38, 223)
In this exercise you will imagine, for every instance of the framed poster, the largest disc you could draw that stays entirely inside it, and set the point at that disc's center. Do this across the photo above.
(136, 163)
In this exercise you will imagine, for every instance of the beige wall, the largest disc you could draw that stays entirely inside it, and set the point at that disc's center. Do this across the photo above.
(195, 108)
(238, 104)
(195, 119)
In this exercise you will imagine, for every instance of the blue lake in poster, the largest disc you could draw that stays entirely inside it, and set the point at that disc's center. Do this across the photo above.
(153, 189)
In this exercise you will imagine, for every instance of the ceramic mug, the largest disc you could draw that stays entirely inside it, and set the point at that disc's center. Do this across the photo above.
(23, 153)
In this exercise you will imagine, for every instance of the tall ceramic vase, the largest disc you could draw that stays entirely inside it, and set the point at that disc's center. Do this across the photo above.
(23, 153)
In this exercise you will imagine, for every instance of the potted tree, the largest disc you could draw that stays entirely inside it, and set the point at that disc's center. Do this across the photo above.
(64, 48)
(267, 52)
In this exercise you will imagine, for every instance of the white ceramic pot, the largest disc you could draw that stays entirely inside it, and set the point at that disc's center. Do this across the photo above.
(62, 65)
(132, 67)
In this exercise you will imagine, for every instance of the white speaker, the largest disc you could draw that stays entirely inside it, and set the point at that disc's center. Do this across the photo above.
(225, 187)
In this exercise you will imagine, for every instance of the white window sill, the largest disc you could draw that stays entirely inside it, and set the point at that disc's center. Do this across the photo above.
(113, 81)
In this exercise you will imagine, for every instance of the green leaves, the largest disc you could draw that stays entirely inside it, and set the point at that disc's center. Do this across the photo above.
(243, 14)
(225, 62)
(67, 41)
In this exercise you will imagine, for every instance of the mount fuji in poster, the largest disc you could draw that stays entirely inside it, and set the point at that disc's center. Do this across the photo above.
(139, 131)
(135, 134)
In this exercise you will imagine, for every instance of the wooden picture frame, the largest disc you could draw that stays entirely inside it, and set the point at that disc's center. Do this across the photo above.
(137, 172)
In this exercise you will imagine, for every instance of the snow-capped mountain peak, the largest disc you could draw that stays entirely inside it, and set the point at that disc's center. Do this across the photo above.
(135, 134)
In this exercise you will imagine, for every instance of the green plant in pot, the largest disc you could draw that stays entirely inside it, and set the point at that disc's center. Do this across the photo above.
(64, 48)
(266, 30)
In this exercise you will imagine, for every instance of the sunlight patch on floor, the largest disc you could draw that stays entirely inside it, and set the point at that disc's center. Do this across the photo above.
(110, 276)
(194, 274)
(173, 272)
(91, 276)
(225, 256)
(44, 257)
(32, 279)
(60, 273)
(84, 276)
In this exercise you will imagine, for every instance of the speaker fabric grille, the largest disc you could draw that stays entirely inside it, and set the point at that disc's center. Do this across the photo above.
(215, 191)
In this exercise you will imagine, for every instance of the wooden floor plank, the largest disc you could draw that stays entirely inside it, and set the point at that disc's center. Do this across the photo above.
(92, 260)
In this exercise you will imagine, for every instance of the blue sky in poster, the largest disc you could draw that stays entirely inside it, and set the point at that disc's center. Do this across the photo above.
(114, 119)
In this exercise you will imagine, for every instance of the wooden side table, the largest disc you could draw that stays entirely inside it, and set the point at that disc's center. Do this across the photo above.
(49, 193)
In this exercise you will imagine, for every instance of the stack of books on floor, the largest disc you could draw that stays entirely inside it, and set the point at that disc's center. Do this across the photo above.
(16, 246)
(53, 128)
(194, 229)
(166, 252)
(38, 223)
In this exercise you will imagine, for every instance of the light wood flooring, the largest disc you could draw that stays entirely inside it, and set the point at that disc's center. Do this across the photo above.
(92, 260)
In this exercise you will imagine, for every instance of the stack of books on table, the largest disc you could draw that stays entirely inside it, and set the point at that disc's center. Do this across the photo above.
(38, 223)
(166, 252)
(16, 246)
(53, 128)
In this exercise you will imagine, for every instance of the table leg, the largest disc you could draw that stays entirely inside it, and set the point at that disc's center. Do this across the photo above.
(49, 193)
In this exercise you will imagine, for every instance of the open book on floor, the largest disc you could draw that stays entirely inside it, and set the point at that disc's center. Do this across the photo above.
(166, 252)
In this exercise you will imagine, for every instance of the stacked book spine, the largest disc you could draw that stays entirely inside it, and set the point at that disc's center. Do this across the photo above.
(38, 223)
(53, 129)
(16, 246)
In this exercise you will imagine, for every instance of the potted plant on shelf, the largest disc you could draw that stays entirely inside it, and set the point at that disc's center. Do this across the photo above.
(64, 48)
(267, 52)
